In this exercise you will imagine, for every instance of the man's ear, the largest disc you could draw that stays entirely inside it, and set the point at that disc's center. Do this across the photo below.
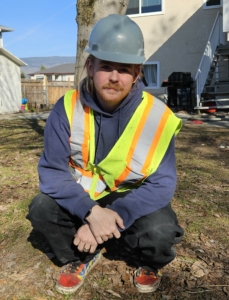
(90, 69)
(137, 71)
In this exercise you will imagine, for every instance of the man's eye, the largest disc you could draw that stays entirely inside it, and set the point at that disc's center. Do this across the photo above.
(105, 67)
(124, 70)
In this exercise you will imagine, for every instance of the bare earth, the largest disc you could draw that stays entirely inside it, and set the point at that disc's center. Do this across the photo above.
(201, 268)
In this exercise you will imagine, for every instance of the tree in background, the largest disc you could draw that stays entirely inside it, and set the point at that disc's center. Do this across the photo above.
(42, 68)
(88, 13)
(22, 75)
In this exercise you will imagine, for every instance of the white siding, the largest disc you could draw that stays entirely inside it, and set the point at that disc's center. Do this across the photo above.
(10, 86)
(178, 38)
(226, 15)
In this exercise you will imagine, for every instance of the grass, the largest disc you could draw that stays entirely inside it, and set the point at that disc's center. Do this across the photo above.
(203, 181)
(200, 200)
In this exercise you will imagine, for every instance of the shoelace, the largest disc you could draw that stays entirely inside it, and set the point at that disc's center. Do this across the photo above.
(148, 271)
(73, 266)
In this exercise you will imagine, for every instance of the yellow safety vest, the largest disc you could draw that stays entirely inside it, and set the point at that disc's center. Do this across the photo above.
(142, 145)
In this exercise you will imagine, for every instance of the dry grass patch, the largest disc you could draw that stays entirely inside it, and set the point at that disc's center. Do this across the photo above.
(201, 202)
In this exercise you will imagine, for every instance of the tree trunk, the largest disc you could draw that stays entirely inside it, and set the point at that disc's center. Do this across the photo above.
(88, 13)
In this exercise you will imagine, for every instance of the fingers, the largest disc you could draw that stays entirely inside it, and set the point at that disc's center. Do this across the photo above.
(119, 222)
(83, 247)
(104, 224)
(117, 234)
(84, 240)
(104, 238)
(92, 249)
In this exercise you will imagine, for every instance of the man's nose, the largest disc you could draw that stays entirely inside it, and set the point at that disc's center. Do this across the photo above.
(114, 76)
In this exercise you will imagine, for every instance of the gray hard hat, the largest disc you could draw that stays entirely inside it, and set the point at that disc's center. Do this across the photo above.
(117, 38)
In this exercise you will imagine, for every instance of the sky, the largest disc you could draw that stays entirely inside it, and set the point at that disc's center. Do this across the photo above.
(41, 27)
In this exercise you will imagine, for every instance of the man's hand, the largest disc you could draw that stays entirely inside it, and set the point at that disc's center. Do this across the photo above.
(85, 240)
(103, 223)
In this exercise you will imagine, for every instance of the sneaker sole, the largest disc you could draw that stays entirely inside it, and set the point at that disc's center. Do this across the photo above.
(70, 290)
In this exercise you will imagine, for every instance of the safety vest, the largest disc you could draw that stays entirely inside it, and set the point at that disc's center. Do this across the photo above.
(136, 155)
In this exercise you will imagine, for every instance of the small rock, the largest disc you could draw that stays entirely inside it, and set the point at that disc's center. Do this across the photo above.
(190, 284)
(199, 269)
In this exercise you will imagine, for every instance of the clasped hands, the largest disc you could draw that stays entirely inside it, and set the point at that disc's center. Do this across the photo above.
(102, 225)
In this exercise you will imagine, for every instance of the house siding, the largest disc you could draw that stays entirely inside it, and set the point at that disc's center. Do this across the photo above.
(177, 38)
(10, 86)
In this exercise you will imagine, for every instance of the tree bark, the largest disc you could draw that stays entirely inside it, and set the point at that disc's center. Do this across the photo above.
(88, 13)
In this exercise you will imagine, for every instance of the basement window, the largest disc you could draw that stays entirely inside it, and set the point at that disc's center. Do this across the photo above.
(212, 4)
(151, 73)
(146, 7)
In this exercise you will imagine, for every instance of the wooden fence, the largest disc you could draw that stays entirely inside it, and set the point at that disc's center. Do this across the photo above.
(41, 94)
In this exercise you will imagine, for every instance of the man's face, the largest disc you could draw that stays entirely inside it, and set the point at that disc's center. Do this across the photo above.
(112, 81)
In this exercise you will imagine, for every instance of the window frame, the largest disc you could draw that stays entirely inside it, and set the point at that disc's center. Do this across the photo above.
(150, 13)
(212, 6)
(157, 86)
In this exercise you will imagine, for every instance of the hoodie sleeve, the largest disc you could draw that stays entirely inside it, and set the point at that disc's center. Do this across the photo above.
(54, 176)
(155, 192)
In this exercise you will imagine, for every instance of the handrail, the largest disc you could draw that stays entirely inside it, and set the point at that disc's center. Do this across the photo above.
(215, 38)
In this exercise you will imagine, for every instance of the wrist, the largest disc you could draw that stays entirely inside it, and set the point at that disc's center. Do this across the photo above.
(88, 214)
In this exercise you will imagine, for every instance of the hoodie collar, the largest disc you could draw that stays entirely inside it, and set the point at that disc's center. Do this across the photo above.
(131, 100)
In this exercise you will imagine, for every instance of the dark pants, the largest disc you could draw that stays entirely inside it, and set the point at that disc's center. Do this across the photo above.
(151, 236)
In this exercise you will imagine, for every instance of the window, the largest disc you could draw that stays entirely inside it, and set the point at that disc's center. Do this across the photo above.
(39, 77)
(212, 3)
(136, 7)
(151, 72)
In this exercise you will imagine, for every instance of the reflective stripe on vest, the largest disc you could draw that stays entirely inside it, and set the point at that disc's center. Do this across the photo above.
(142, 146)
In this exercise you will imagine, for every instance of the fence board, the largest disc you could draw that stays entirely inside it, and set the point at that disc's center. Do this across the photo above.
(40, 94)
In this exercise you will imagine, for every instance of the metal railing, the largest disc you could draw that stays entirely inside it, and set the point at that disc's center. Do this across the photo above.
(216, 37)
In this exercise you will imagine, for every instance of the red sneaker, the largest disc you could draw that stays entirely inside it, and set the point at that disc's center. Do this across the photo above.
(146, 279)
(73, 275)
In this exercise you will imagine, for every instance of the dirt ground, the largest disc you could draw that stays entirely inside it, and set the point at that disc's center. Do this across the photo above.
(201, 268)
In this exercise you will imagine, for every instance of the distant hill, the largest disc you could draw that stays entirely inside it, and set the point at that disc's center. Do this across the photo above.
(35, 63)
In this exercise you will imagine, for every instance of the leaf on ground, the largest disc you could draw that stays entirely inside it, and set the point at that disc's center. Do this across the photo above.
(113, 293)
(3, 207)
(50, 293)
(18, 277)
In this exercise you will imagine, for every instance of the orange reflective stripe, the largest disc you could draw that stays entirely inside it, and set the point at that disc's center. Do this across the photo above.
(137, 134)
(85, 173)
(85, 145)
(73, 103)
(156, 139)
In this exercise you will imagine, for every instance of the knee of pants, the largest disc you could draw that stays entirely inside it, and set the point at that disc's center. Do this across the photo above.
(151, 230)
(40, 209)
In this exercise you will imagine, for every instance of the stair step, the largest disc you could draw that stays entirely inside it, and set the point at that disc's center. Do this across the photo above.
(222, 53)
(218, 85)
(215, 100)
(226, 46)
(222, 83)
(211, 107)
(222, 79)
(218, 72)
(217, 93)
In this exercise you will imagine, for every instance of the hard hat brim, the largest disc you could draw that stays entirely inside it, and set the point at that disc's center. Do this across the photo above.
(116, 57)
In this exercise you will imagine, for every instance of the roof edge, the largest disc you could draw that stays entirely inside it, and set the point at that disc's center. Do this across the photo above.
(12, 57)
